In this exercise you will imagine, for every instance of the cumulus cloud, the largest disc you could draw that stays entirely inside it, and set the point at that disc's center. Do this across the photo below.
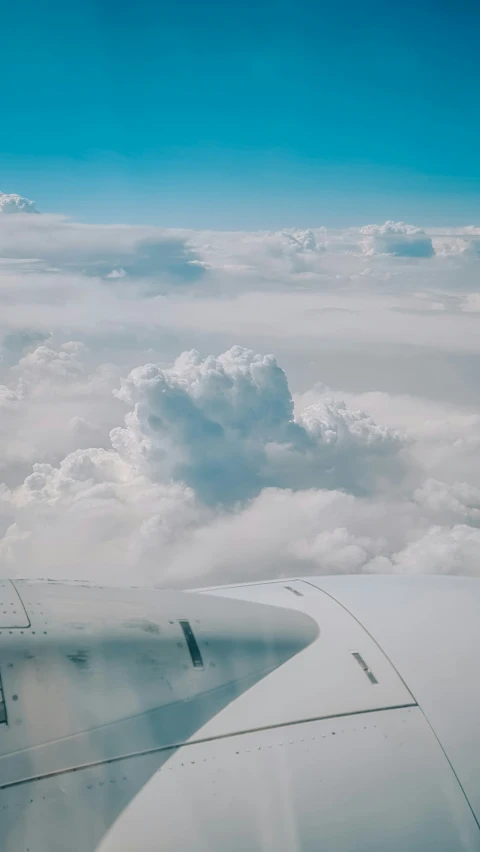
(450, 503)
(130, 454)
(225, 426)
(440, 551)
(8, 397)
(263, 258)
(214, 471)
(37, 368)
(11, 203)
(53, 402)
(206, 443)
(94, 507)
(397, 238)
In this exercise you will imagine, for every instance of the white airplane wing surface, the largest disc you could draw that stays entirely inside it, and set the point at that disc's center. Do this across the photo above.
(305, 715)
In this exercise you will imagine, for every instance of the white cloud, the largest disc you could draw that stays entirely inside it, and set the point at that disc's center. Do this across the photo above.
(93, 507)
(397, 238)
(53, 243)
(53, 403)
(441, 550)
(450, 503)
(162, 501)
(472, 303)
(226, 427)
(390, 228)
(37, 368)
(8, 397)
(16, 204)
(200, 468)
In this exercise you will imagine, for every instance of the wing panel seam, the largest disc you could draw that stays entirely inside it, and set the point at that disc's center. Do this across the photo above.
(319, 589)
(175, 746)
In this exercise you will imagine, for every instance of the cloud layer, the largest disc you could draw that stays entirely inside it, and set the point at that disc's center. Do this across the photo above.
(149, 435)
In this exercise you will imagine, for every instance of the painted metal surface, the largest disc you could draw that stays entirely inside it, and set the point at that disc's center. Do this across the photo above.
(264, 717)
(368, 783)
(324, 679)
(105, 674)
(12, 612)
(95, 657)
(430, 629)
(71, 812)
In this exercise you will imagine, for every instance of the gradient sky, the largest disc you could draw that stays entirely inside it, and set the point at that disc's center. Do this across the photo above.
(243, 115)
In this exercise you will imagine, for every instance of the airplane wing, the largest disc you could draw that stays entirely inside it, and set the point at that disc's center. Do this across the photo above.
(313, 714)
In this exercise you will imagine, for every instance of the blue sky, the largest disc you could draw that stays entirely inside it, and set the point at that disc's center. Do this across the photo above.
(259, 114)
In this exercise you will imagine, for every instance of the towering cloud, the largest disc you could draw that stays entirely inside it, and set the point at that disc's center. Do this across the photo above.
(397, 238)
(225, 426)
(11, 203)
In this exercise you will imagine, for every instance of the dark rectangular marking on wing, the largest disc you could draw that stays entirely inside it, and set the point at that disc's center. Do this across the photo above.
(294, 591)
(192, 644)
(3, 708)
(361, 662)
